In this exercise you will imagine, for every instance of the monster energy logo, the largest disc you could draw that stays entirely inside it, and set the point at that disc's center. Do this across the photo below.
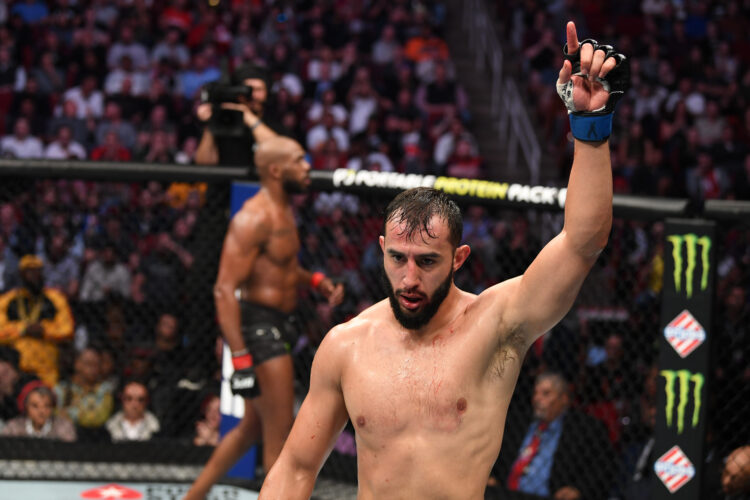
(683, 378)
(692, 241)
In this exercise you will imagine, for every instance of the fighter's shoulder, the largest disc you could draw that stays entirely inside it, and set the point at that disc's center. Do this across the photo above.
(350, 333)
(496, 296)
(253, 215)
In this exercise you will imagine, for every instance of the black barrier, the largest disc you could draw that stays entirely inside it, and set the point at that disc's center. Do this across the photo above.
(684, 358)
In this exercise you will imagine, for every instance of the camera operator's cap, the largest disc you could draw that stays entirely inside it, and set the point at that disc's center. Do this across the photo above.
(249, 70)
(30, 261)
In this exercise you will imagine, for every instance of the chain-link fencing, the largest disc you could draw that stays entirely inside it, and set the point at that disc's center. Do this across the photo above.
(128, 268)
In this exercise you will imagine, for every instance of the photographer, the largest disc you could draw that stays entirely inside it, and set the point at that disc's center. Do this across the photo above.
(235, 119)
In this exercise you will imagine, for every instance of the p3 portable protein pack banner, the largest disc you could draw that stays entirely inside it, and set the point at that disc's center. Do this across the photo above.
(684, 358)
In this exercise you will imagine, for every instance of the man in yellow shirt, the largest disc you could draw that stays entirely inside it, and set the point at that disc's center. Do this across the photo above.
(34, 320)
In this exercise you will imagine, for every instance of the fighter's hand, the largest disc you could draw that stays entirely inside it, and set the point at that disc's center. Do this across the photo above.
(588, 93)
(333, 292)
(250, 118)
(244, 383)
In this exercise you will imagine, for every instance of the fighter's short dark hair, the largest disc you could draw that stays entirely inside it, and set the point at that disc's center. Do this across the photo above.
(416, 207)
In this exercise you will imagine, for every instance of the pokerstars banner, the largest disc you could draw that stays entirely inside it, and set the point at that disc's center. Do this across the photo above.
(684, 358)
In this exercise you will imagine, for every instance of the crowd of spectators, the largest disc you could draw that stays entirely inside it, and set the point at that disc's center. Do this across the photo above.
(364, 84)
(683, 129)
(367, 85)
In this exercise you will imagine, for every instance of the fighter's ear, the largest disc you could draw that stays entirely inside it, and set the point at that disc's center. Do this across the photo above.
(460, 256)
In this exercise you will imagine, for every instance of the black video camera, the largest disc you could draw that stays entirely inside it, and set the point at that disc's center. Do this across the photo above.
(217, 93)
(225, 122)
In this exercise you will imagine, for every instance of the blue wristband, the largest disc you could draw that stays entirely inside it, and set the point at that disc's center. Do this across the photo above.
(591, 128)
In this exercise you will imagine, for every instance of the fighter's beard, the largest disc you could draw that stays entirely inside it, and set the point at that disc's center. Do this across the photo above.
(293, 187)
(418, 319)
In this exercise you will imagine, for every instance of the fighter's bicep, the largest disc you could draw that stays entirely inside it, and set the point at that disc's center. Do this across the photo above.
(323, 413)
(546, 291)
(242, 245)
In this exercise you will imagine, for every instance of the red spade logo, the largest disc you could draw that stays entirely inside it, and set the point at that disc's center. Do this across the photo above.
(111, 492)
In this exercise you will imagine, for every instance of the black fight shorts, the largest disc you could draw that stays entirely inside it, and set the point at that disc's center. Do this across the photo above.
(267, 332)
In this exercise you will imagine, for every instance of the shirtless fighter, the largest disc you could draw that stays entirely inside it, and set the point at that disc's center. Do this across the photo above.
(259, 258)
(426, 376)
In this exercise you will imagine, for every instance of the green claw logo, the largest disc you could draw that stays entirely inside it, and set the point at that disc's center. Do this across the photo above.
(692, 241)
(684, 378)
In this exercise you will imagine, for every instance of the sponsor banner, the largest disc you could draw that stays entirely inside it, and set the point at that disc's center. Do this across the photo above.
(684, 358)
(111, 492)
(674, 469)
(475, 188)
(684, 333)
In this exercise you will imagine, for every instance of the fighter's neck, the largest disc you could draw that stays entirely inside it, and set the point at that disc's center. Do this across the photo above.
(276, 194)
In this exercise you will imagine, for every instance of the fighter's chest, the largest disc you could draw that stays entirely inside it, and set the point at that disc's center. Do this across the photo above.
(282, 242)
(389, 393)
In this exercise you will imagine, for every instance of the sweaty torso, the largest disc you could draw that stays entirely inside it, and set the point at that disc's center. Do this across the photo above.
(429, 413)
(273, 279)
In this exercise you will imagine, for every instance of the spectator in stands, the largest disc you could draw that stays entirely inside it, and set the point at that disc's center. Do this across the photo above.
(611, 385)
(363, 100)
(449, 132)
(85, 398)
(426, 47)
(37, 403)
(442, 96)
(158, 149)
(35, 319)
(327, 129)
(174, 386)
(157, 280)
(12, 75)
(113, 122)
(196, 75)
(133, 422)
(64, 147)
(464, 162)
(327, 104)
(385, 47)
(67, 116)
(563, 453)
(126, 79)
(31, 11)
(62, 266)
(127, 45)
(105, 277)
(171, 49)
(638, 442)
(21, 144)
(704, 180)
(49, 76)
(12, 381)
(207, 428)
(710, 125)
(88, 99)
(111, 149)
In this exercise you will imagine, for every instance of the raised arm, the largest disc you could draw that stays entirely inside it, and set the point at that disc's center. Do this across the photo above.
(247, 232)
(320, 420)
(541, 297)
